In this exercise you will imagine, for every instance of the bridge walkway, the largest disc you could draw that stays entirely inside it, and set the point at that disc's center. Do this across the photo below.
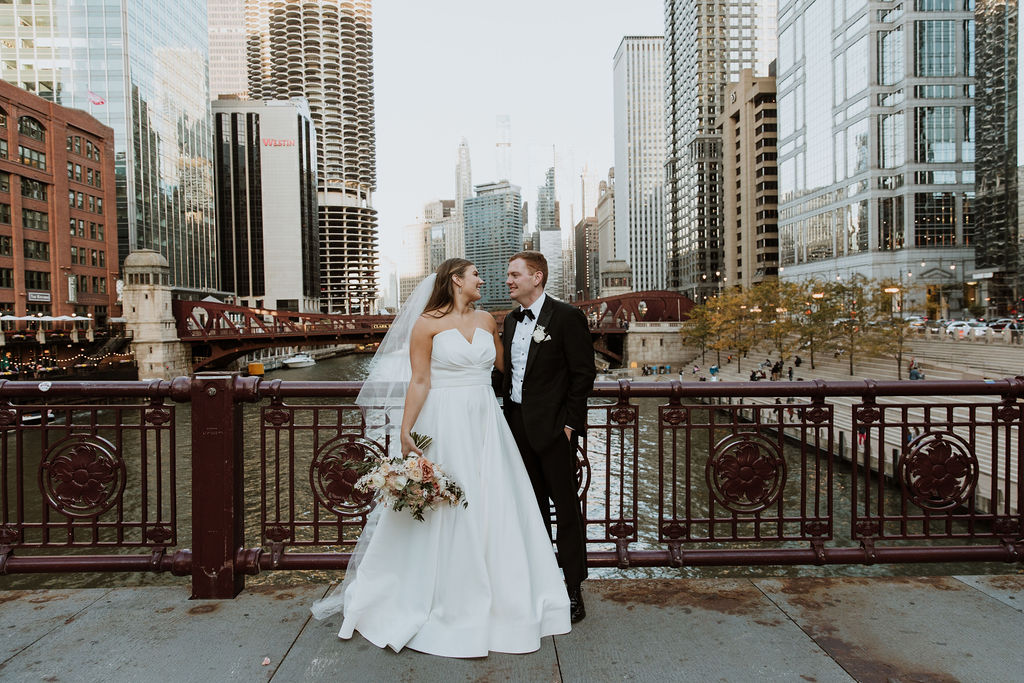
(964, 628)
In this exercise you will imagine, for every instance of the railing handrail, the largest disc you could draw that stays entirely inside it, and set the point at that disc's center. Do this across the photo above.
(253, 389)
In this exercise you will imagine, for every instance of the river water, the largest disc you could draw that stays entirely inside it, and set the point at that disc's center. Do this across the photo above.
(353, 368)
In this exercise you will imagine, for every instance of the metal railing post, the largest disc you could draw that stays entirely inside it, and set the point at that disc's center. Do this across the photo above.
(218, 521)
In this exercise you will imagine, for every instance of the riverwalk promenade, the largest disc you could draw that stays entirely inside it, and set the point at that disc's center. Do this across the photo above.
(957, 628)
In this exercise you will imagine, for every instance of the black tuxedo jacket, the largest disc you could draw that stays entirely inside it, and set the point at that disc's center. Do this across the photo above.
(559, 373)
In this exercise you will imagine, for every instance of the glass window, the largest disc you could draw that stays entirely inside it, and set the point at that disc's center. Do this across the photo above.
(80, 197)
(99, 205)
(936, 47)
(967, 217)
(33, 189)
(935, 134)
(937, 5)
(5, 214)
(890, 57)
(72, 224)
(967, 148)
(35, 279)
(88, 149)
(81, 228)
(95, 259)
(40, 251)
(88, 176)
(890, 223)
(3, 149)
(103, 259)
(36, 220)
(99, 230)
(32, 157)
(92, 203)
(934, 219)
(6, 245)
(78, 144)
(5, 182)
(71, 170)
(891, 140)
(7, 278)
(969, 47)
(98, 180)
(31, 128)
(78, 172)
(71, 144)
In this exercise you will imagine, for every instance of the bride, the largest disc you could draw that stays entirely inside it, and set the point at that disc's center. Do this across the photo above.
(466, 581)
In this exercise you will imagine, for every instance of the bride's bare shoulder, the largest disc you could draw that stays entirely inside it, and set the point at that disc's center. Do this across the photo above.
(485, 320)
(431, 323)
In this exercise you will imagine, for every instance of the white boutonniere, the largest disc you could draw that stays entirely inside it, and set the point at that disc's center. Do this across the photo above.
(540, 334)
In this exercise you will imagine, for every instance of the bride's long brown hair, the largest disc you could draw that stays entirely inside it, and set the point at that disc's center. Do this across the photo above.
(442, 298)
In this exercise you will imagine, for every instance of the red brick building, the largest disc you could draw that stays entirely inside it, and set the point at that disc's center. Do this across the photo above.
(58, 223)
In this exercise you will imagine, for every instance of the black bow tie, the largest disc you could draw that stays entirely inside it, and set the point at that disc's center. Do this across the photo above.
(522, 313)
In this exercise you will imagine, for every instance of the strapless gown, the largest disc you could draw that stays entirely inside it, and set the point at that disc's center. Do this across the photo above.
(466, 581)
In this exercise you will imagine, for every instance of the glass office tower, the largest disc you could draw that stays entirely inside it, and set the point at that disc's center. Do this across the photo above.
(999, 240)
(141, 68)
(707, 45)
(876, 144)
(494, 233)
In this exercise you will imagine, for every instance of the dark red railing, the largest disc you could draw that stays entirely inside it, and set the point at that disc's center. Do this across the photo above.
(737, 478)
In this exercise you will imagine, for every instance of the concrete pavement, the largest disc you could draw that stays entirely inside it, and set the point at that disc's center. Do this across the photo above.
(964, 628)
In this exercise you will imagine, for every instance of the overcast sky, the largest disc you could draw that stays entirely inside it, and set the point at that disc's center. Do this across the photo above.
(445, 70)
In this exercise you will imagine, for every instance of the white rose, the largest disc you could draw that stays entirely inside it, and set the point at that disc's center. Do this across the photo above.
(400, 481)
(539, 335)
(415, 472)
(377, 480)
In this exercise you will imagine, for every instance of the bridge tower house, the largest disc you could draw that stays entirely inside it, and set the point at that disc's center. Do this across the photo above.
(148, 315)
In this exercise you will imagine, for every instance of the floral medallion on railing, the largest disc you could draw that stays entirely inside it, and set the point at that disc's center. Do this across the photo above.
(1008, 413)
(333, 482)
(82, 476)
(746, 472)
(674, 416)
(938, 471)
(623, 415)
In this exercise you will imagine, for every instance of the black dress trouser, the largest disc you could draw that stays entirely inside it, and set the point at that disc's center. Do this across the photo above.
(553, 475)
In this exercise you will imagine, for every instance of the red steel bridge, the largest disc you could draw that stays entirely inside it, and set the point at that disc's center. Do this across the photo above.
(221, 333)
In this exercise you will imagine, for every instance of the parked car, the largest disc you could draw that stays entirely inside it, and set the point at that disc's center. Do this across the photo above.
(1001, 323)
(964, 328)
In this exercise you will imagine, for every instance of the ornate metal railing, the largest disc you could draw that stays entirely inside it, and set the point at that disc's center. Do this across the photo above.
(670, 474)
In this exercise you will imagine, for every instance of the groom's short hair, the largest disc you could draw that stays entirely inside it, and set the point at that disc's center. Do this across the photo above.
(536, 261)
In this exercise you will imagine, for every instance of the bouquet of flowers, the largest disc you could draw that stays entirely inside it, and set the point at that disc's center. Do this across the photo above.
(412, 482)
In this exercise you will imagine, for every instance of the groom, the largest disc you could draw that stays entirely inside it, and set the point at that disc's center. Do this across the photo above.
(549, 372)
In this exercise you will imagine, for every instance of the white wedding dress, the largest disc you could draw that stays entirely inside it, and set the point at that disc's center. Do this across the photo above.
(466, 581)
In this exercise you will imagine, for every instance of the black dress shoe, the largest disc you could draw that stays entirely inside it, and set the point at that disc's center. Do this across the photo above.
(576, 609)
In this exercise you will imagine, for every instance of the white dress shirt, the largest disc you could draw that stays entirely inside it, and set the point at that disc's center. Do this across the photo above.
(520, 350)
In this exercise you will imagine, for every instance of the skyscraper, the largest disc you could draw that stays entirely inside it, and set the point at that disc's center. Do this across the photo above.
(455, 240)
(140, 68)
(266, 209)
(323, 51)
(639, 101)
(750, 207)
(706, 45)
(876, 157)
(999, 167)
(227, 47)
(494, 233)
(549, 234)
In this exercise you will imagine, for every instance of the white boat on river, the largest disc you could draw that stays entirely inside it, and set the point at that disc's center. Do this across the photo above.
(299, 360)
